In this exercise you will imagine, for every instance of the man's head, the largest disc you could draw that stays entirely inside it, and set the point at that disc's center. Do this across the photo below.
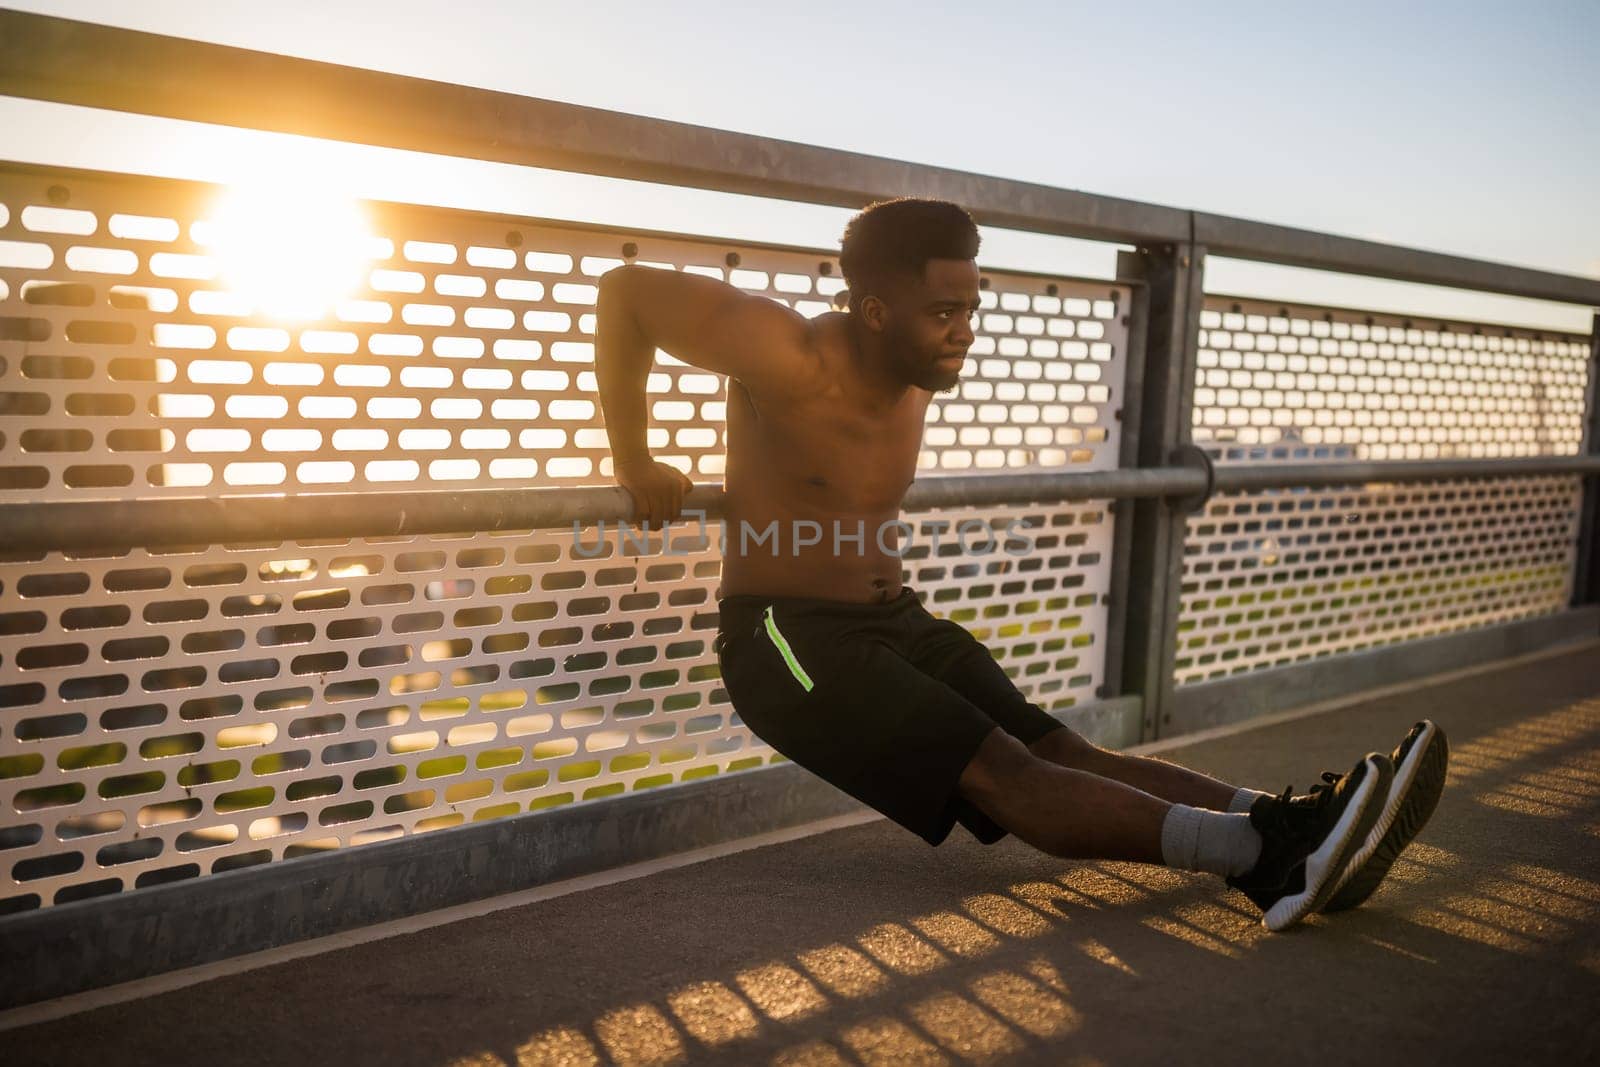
(910, 265)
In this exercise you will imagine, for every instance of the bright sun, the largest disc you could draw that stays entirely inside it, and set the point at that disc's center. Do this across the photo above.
(289, 252)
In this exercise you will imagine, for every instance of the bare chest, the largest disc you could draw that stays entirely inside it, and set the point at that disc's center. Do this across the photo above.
(826, 454)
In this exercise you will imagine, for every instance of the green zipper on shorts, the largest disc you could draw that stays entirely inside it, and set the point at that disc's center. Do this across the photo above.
(795, 669)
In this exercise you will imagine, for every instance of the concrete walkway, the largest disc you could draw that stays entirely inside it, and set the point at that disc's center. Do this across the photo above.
(864, 946)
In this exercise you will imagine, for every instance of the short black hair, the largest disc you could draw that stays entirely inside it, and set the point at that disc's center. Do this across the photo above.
(898, 237)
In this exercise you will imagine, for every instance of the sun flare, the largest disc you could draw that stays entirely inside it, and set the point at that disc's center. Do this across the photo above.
(290, 252)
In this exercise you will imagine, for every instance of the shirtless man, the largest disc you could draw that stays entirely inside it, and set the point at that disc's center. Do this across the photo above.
(834, 662)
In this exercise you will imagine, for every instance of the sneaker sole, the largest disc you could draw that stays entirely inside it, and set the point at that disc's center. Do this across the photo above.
(1328, 862)
(1418, 784)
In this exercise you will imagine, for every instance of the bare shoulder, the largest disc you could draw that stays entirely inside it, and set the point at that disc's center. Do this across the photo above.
(764, 343)
(775, 350)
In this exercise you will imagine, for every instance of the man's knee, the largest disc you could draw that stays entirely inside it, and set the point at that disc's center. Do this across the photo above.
(996, 768)
(1066, 747)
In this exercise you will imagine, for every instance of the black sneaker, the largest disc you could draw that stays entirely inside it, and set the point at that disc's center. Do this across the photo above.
(1307, 841)
(1420, 764)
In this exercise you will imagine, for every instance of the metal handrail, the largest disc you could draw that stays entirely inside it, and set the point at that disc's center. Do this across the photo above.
(66, 525)
(70, 62)
(99, 524)
(1238, 479)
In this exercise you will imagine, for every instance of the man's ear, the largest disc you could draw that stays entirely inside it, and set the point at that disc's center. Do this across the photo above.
(874, 313)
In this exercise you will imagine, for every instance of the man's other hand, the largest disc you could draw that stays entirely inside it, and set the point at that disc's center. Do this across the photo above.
(657, 490)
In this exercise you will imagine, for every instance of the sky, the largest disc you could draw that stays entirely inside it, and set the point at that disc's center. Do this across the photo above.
(1464, 127)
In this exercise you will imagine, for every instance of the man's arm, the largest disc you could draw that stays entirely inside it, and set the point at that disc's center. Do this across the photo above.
(702, 322)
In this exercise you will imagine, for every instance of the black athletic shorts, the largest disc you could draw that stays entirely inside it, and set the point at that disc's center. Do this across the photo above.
(884, 701)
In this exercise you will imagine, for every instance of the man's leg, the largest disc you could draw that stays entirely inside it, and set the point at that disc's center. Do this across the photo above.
(1168, 781)
(1062, 794)
(947, 651)
(1062, 810)
(1078, 815)
(870, 720)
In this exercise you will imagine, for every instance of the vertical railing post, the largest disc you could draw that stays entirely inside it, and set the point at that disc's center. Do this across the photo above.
(1155, 423)
(1128, 416)
(1586, 580)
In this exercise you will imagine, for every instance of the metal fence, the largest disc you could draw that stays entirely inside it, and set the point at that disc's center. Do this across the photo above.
(1278, 576)
(183, 710)
(272, 590)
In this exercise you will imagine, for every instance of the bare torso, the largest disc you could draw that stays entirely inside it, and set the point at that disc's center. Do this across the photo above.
(822, 466)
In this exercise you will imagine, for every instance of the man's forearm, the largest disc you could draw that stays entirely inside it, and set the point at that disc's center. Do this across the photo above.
(623, 356)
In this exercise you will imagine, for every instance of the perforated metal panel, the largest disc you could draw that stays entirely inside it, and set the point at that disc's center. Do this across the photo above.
(171, 714)
(168, 713)
(1285, 575)
(464, 353)
(1038, 601)
(1297, 383)
(1277, 577)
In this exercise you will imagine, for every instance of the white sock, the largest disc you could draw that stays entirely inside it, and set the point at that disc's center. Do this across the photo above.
(1243, 799)
(1193, 839)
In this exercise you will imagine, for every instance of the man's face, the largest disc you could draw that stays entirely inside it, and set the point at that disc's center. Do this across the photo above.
(928, 322)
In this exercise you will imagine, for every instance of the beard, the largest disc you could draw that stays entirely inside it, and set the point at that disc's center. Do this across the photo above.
(932, 377)
(920, 369)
